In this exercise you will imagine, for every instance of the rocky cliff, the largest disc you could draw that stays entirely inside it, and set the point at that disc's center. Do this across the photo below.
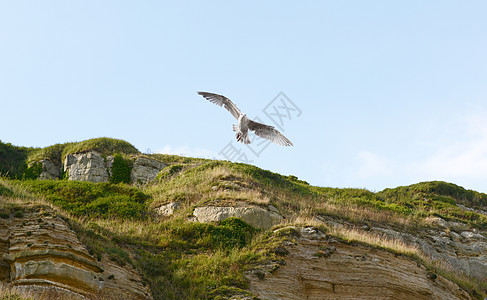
(131, 226)
(318, 267)
(39, 251)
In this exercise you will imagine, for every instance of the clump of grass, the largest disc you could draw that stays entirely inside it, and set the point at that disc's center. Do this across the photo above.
(169, 159)
(8, 292)
(104, 145)
(5, 191)
(376, 240)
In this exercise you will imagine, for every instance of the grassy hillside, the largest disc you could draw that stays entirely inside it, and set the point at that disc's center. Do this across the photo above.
(187, 260)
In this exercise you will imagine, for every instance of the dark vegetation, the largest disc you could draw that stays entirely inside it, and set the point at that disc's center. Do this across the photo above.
(121, 169)
(12, 160)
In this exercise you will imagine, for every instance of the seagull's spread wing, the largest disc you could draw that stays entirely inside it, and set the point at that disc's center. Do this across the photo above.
(222, 101)
(269, 132)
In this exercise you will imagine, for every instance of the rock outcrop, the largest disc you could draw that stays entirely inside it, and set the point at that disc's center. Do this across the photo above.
(49, 170)
(319, 268)
(90, 166)
(145, 169)
(255, 216)
(39, 252)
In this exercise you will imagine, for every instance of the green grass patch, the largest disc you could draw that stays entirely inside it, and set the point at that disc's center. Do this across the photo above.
(200, 261)
(102, 200)
(106, 146)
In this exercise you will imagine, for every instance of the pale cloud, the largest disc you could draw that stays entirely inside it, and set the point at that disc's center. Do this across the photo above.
(372, 165)
(461, 158)
(464, 158)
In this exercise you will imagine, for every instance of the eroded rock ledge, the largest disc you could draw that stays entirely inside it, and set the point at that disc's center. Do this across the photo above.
(39, 251)
(319, 268)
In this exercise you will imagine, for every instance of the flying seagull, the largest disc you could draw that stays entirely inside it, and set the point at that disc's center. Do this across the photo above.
(244, 123)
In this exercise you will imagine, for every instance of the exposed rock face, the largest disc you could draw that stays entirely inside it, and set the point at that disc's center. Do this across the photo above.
(145, 169)
(123, 282)
(320, 269)
(452, 243)
(49, 170)
(39, 251)
(253, 215)
(45, 252)
(90, 166)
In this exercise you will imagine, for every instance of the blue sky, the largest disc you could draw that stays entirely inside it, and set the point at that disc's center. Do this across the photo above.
(390, 93)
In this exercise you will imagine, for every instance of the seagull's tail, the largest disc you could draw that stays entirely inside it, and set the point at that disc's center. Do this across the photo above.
(242, 138)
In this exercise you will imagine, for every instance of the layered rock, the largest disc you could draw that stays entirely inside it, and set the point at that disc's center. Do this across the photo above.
(45, 252)
(145, 169)
(317, 268)
(40, 252)
(90, 166)
(255, 216)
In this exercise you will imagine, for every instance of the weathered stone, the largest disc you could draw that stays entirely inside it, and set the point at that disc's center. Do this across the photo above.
(145, 169)
(49, 170)
(312, 233)
(439, 222)
(167, 210)
(471, 236)
(90, 166)
(123, 282)
(253, 215)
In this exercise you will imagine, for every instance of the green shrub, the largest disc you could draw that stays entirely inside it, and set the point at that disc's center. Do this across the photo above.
(230, 233)
(33, 171)
(13, 160)
(114, 205)
(121, 169)
(4, 191)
